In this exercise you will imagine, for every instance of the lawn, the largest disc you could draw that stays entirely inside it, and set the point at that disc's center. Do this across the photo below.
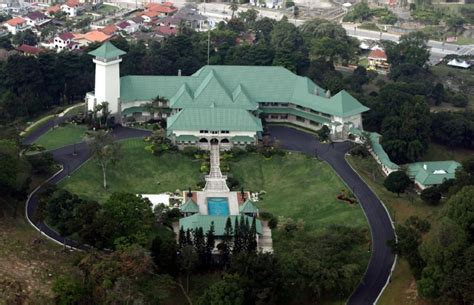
(299, 187)
(62, 136)
(138, 171)
(402, 289)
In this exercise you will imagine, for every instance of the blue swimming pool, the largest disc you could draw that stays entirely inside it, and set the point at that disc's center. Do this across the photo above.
(217, 206)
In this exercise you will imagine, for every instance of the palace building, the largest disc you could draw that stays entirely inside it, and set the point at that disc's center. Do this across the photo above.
(220, 104)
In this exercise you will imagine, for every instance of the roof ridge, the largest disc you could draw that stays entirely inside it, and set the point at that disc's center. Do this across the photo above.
(212, 75)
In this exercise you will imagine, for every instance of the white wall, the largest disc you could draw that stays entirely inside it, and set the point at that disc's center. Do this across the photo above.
(107, 83)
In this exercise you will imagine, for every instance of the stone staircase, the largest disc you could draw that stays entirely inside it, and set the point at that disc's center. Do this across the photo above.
(215, 181)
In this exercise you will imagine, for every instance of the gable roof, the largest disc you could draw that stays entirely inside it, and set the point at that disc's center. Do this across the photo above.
(204, 221)
(72, 3)
(107, 51)
(434, 172)
(94, 36)
(189, 207)
(156, 7)
(16, 21)
(35, 15)
(66, 36)
(123, 24)
(344, 103)
(29, 49)
(214, 119)
(377, 54)
(109, 29)
(248, 207)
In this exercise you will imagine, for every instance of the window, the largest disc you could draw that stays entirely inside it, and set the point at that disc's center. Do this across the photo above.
(284, 116)
(314, 123)
(300, 107)
(274, 116)
(203, 131)
(214, 132)
(300, 119)
(284, 104)
(224, 131)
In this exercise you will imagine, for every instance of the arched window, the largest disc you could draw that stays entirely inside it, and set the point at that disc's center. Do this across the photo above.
(225, 141)
(214, 141)
(203, 140)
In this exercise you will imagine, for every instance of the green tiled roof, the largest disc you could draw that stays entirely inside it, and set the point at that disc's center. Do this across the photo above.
(242, 139)
(132, 110)
(189, 207)
(214, 119)
(107, 51)
(432, 173)
(380, 152)
(248, 207)
(241, 87)
(204, 221)
(294, 111)
(186, 138)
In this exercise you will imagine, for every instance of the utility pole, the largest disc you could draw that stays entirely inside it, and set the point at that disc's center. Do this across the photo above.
(208, 44)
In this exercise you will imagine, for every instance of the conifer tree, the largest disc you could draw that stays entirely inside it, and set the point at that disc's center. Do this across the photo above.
(237, 238)
(200, 245)
(226, 242)
(252, 242)
(189, 238)
(210, 243)
(182, 238)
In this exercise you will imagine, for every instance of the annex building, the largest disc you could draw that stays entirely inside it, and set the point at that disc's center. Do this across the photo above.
(220, 104)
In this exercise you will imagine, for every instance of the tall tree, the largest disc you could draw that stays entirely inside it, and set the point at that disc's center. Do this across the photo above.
(397, 182)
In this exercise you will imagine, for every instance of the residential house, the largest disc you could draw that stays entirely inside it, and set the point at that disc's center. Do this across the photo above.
(166, 31)
(188, 15)
(110, 30)
(36, 19)
(149, 16)
(29, 50)
(428, 174)
(129, 27)
(71, 8)
(378, 59)
(89, 37)
(165, 9)
(138, 20)
(52, 10)
(16, 25)
(61, 41)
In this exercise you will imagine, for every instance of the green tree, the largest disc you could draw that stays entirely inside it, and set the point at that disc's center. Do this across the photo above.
(431, 195)
(210, 244)
(188, 260)
(224, 292)
(126, 219)
(69, 290)
(461, 209)
(233, 6)
(397, 182)
(104, 150)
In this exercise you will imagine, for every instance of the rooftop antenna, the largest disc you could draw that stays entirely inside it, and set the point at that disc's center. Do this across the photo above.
(208, 44)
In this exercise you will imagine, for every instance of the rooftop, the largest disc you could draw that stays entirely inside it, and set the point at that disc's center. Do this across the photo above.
(35, 15)
(433, 172)
(93, 36)
(29, 49)
(240, 87)
(107, 51)
(377, 54)
(16, 21)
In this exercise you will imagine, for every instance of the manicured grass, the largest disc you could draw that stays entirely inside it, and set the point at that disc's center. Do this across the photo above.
(139, 171)
(402, 289)
(299, 187)
(438, 152)
(106, 9)
(62, 136)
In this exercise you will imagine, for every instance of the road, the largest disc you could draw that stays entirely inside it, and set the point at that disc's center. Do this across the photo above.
(70, 157)
(382, 260)
(220, 11)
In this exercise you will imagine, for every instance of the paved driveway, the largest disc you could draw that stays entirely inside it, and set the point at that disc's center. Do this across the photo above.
(382, 259)
(70, 162)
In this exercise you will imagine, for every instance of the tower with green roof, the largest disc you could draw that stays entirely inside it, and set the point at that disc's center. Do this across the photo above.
(107, 60)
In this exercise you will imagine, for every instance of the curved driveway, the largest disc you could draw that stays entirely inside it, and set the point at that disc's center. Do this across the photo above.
(382, 259)
(70, 161)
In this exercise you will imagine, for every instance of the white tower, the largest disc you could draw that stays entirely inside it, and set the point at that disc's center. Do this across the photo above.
(107, 79)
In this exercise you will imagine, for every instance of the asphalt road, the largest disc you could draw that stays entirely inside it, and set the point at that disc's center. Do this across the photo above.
(70, 157)
(382, 259)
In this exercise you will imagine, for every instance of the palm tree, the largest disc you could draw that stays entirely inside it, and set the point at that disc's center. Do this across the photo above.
(233, 7)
